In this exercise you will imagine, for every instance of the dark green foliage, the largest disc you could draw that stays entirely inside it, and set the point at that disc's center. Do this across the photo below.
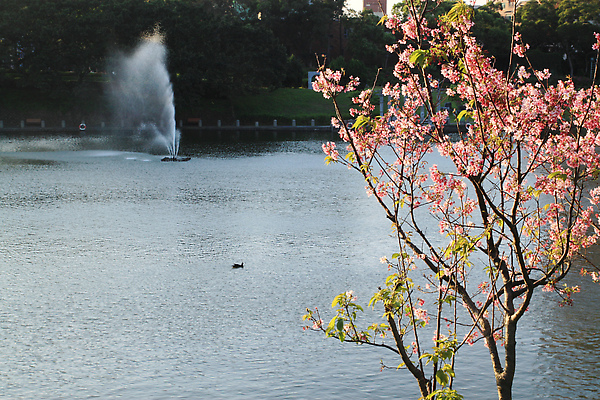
(538, 23)
(494, 33)
(216, 47)
(221, 56)
(304, 27)
(294, 73)
(366, 47)
(223, 48)
(563, 28)
(42, 40)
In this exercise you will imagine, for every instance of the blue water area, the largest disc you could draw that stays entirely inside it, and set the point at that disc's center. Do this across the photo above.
(116, 280)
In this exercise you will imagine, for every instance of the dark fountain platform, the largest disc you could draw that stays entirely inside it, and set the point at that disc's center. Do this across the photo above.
(176, 159)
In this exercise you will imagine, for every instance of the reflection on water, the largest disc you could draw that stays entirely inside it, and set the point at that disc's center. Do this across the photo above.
(570, 342)
(117, 281)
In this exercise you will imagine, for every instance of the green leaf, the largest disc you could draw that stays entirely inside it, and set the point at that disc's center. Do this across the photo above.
(331, 324)
(463, 114)
(361, 121)
(463, 68)
(447, 299)
(558, 175)
(447, 368)
(419, 57)
(338, 300)
(459, 9)
(441, 377)
(533, 191)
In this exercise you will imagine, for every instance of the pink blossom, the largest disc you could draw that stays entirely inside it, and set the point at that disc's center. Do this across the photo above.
(522, 73)
(531, 149)
(327, 82)
(498, 336)
(519, 48)
(330, 150)
(548, 288)
(421, 315)
(543, 75)
(596, 45)
(317, 324)
(470, 339)
(483, 287)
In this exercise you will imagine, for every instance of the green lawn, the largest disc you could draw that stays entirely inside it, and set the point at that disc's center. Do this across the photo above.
(283, 104)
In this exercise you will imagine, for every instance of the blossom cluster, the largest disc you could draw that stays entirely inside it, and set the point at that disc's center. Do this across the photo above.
(512, 189)
(328, 83)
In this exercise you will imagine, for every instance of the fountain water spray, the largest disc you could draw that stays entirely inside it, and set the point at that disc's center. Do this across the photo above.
(142, 94)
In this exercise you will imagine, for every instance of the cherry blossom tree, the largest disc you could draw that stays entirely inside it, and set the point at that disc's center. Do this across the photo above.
(513, 193)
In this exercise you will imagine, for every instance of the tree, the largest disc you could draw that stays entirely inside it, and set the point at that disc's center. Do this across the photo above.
(223, 55)
(514, 195)
(493, 32)
(579, 11)
(367, 41)
(403, 9)
(563, 26)
(366, 55)
(215, 48)
(304, 27)
(577, 22)
(538, 23)
(42, 40)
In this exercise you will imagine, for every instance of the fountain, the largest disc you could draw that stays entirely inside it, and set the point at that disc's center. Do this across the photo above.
(142, 95)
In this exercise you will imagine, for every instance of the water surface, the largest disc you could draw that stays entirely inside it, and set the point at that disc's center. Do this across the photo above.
(116, 280)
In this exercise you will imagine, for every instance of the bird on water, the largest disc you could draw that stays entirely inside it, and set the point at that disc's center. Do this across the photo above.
(236, 265)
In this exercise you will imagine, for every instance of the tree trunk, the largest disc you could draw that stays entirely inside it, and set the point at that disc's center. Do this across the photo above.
(505, 378)
(504, 388)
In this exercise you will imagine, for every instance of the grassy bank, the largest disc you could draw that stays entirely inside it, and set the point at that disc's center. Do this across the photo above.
(85, 102)
(284, 105)
(89, 104)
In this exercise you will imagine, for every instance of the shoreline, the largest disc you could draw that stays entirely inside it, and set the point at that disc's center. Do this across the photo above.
(197, 130)
(204, 133)
(39, 126)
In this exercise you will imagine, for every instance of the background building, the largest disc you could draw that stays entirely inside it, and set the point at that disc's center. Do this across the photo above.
(375, 6)
(508, 8)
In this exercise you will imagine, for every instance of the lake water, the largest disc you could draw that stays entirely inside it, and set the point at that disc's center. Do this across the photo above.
(116, 279)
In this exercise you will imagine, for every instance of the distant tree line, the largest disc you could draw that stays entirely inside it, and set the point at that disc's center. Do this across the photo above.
(216, 47)
(220, 48)
(561, 33)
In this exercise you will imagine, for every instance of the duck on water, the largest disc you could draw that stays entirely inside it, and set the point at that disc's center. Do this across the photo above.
(236, 265)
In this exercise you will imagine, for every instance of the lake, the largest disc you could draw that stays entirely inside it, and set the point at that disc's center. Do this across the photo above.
(116, 279)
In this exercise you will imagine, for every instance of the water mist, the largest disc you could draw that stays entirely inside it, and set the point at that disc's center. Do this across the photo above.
(142, 93)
